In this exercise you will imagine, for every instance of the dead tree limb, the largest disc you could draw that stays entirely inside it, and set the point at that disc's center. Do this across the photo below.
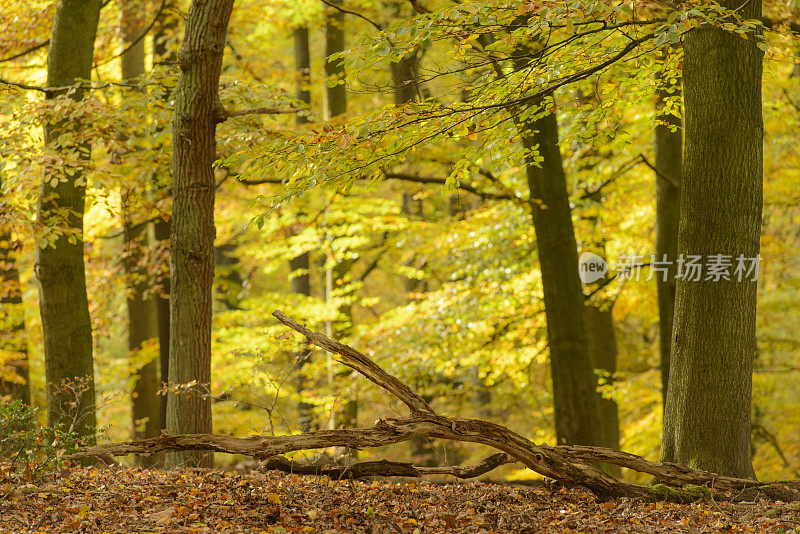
(385, 468)
(571, 465)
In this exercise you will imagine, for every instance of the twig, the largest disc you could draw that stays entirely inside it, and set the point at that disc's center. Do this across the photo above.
(659, 173)
(348, 12)
(225, 114)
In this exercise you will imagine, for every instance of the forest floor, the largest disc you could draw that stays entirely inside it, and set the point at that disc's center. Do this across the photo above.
(128, 500)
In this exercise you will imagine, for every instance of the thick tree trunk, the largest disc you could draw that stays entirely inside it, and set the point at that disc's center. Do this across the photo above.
(707, 420)
(197, 113)
(668, 162)
(300, 265)
(575, 397)
(14, 377)
(142, 319)
(63, 303)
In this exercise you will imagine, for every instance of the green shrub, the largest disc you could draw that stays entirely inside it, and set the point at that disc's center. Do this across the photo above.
(26, 445)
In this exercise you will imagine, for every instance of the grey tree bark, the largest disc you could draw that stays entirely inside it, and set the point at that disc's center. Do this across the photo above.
(707, 415)
(63, 303)
(197, 113)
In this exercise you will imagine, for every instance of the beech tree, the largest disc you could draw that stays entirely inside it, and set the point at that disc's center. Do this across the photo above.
(60, 271)
(197, 113)
(142, 313)
(300, 265)
(707, 415)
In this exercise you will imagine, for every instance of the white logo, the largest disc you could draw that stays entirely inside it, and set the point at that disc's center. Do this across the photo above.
(591, 267)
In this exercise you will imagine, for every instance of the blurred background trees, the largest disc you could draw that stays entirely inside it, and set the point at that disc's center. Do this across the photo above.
(419, 199)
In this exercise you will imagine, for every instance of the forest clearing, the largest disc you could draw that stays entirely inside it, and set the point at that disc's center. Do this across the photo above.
(399, 266)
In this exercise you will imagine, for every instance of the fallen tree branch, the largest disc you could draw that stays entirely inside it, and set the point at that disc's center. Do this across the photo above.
(354, 359)
(570, 465)
(385, 468)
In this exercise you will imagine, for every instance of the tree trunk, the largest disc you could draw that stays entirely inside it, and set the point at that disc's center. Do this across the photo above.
(14, 378)
(404, 78)
(336, 96)
(668, 161)
(707, 419)
(300, 265)
(599, 310)
(165, 46)
(603, 346)
(197, 113)
(63, 303)
(575, 397)
(142, 320)
(161, 231)
(335, 105)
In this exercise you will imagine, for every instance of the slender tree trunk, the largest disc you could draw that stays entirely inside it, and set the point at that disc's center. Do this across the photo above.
(197, 113)
(599, 310)
(668, 162)
(707, 419)
(603, 346)
(165, 47)
(161, 231)
(335, 105)
(336, 96)
(63, 303)
(300, 265)
(575, 397)
(404, 78)
(14, 377)
(142, 319)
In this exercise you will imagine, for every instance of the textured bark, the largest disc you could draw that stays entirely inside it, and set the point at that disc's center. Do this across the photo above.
(13, 343)
(142, 319)
(386, 468)
(575, 397)
(707, 419)
(668, 162)
(568, 464)
(197, 112)
(63, 303)
(300, 265)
